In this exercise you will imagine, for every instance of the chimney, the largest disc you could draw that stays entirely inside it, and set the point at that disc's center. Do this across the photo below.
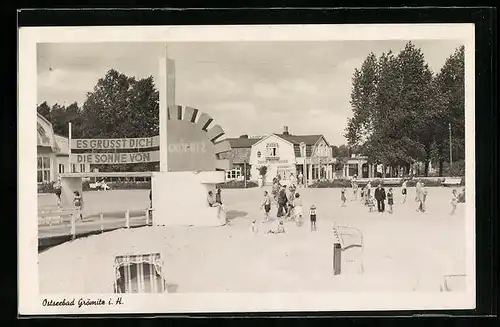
(285, 130)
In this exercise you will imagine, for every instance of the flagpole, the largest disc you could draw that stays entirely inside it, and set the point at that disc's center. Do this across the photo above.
(69, 147)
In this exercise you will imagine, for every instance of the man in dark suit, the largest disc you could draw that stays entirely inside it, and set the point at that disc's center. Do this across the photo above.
(282, 202)
(380, 197)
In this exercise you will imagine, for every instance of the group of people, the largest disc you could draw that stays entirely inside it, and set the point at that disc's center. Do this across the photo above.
(288, 204)
(379, 196)
(77, 198)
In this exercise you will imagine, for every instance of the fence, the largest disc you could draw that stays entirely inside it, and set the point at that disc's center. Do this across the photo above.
(55, 227)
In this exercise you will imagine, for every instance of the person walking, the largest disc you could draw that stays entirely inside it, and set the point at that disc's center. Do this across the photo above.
(58, 190)
(78, 204)
(390, 199)
(266, 204)
(422, 198)
(343, 198)
(380, 197)
(404, 191)
(293, 180)
(354, 185)
(454, 201)
(300, 180)
(282, 202)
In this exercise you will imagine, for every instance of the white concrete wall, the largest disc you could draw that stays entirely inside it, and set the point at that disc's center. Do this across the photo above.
(180, 198)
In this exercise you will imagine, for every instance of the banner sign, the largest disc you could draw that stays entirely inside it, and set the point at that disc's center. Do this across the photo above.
(111, 144)
(114, 158)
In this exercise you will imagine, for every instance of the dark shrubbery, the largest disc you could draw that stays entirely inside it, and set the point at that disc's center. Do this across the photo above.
(327, 184)
(237, 184)
(338, 183)
(46, 188)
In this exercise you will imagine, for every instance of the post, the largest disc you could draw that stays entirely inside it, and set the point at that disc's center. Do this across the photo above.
(245, 172)
(451, 152)
(127, 219)
(337, 252)
(147, 216)
(69, 147)
(73, 224)
(101, 218)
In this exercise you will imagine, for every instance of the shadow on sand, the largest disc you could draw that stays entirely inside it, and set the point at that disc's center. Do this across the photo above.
(233, 214)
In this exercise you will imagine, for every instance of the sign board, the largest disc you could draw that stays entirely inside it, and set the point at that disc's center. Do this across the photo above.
(272, 161)
(111, 144)
(114, 158)
(189, 148)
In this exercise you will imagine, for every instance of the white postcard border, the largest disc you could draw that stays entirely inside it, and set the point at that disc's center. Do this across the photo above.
(30, 302)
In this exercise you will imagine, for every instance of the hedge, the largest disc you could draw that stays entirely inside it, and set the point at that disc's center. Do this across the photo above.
(338, 183)
(237, 184)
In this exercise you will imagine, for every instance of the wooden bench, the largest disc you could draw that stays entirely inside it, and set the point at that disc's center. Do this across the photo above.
(452, 181)
(49, 216)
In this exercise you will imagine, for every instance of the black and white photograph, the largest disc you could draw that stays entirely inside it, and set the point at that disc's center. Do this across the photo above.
(272, 170)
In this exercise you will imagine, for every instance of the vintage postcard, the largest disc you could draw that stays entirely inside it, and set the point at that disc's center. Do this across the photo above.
(246, 168)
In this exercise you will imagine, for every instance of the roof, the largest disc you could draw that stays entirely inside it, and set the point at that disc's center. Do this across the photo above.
(297, 139)
(242, 142)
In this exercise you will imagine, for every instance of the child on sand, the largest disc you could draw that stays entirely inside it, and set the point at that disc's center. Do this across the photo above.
(313, 218)
(454, 201)
(279, 230)
(266, 204)
(342, 197)
(254, 227)
(390, 199)
(298, 210)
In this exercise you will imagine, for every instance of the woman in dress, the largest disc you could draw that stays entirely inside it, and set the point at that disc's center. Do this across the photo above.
(78, 204)
(454, 201)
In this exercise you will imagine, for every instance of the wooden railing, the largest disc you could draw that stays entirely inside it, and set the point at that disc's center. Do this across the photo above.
(66, 222)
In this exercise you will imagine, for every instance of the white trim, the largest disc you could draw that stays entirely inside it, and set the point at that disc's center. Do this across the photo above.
(268, 136)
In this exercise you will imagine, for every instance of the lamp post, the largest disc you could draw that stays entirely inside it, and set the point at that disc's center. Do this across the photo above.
(451, 152)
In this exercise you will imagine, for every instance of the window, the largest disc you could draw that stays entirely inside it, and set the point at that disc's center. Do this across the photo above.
(43, 169)
(82, 168)
(233, 173)
(259, 154)
(302, 149)
(73, 168)
(61, 168)
(272, 150)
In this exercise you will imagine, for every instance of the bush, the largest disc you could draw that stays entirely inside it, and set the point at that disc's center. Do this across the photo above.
(458, 169)
(46, 188)
(336, 183)
(237, 184)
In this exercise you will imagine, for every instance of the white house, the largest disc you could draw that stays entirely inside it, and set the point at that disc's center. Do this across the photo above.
(53, 153)
(284, 154)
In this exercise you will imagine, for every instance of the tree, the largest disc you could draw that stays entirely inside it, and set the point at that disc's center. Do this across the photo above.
(44, 110)
(450, 85)
(121, 107)
(393, 110)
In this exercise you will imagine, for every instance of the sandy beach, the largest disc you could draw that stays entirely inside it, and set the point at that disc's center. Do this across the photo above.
(405, 251)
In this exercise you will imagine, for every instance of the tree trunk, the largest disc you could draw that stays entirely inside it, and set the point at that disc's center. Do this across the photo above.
(440, 167)
(426, 168)
(383, 170)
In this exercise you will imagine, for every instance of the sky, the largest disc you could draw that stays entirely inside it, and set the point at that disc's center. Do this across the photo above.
(252, 88)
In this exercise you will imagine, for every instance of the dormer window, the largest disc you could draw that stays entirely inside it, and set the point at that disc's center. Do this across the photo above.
(272, 150)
